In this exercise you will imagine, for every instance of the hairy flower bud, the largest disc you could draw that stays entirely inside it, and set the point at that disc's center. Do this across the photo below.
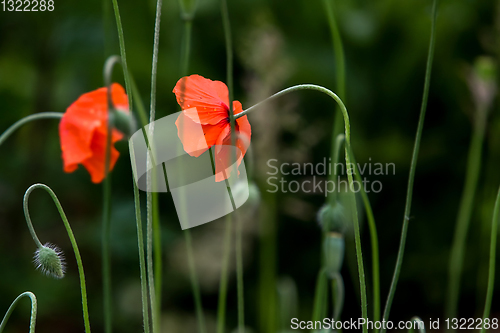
(50, 260)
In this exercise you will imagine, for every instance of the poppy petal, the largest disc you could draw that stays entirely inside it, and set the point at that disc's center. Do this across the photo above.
(191, 135)
(207, 96)
(79, 125)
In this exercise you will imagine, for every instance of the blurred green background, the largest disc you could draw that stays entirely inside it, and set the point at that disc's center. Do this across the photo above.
(48, 59)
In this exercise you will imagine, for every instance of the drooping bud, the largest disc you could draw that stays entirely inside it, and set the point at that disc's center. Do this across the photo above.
(333, 249)
(239, 190)
(482, 82)
(124, 121)
(50, 260)
(332, 217)
(188, 8)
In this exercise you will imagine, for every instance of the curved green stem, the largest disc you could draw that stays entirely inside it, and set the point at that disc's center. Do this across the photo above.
(338, 295)
(493, 247)
(413, 167)
(338, 49)
(357, 236)
(123, 54)
(81, 273)
(140, 244)
(42, 115)
(13, 305)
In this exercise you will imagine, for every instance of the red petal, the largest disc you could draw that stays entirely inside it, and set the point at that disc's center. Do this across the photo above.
(77, 130)
(210, 98)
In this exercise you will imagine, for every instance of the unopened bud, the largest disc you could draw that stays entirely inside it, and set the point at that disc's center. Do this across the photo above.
(332, 217)
(50, 260)
(239, 191)
(333, 249)
(123, 121)
(188, 8)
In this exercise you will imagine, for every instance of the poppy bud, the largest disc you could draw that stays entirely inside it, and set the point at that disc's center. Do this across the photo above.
(333, 249)
(188, 7)
(482, 82)
(240, 190)
(123, 121)
(253, 194)
(332, 218)
(50, 260)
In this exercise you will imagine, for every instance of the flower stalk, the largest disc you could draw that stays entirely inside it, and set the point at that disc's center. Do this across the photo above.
(140, 244)
(493, 247)
(152, 205)
(413, 166)
(357, 236)
(13, 306)
(81, 273)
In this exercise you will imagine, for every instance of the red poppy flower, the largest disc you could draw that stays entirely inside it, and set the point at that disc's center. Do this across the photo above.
(83, 131)
(205, 102)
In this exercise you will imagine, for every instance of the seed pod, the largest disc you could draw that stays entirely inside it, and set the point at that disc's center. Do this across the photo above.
(333, 248)
(50, 260)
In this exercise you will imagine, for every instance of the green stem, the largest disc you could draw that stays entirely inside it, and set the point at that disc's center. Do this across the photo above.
(464, 215)
(140, 244)
(151, 208)
(106, 211)
(71, 238)
(157, 248)
(267, 306)
(186, 45)
(12, 307)
(123, 54)
(42, 115)
(239, 275)
(338, 49)
(320, 296)
(186, 51)
(239, 266)
(493, 247)
(413, 167)
(139, 105)
(338, 295)
(357, 236)
(194, 283)
(221, 309)
(374, 244)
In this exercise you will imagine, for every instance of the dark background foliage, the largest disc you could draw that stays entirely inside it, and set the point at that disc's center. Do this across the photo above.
(48, 59)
